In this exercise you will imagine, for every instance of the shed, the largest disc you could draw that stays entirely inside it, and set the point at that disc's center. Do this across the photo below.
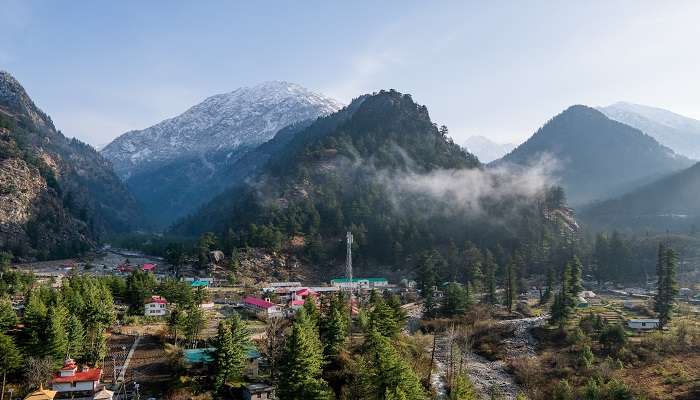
(41, 394)
(643, 324)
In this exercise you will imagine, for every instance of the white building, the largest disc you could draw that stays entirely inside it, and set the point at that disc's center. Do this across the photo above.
(643, 324)
(70, 380)
(360, 283)
(155, 306)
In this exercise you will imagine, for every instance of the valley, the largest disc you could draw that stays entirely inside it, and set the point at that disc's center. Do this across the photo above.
(277, 242)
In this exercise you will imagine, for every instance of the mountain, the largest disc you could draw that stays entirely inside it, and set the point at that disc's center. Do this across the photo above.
(58, 196)
(681, 134)
(381, 169)
(486, 149)
(669, 203)
(597, 158)
(177, 165)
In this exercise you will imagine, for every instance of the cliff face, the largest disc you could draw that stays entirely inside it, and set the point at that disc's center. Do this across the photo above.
(57, 195)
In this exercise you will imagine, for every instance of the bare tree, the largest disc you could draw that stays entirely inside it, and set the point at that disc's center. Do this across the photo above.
(274, 341)
(38, 371)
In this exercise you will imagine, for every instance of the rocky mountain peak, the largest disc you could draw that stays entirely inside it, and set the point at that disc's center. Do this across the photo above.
(246, 116)
(15, 99)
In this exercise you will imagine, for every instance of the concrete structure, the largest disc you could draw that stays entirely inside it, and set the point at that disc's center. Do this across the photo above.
(155, 306)
(643, 324)
(360, 283)
(258, 391)
(262, 308)
(77, 383)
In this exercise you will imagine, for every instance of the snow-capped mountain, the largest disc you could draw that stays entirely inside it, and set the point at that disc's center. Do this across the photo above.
(486, 149)
(680, 133)
(243, 117)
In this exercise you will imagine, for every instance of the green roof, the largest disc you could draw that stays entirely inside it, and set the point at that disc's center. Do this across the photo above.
(346, 280)
(200, 283)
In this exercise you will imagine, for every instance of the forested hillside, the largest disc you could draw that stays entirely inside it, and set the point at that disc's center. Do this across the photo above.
(383, 170)
(671, 203)
(596, 158)
(58, 195)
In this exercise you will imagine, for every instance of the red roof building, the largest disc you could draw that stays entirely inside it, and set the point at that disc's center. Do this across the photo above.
(259, 303)
(148, 267)
(70, 379)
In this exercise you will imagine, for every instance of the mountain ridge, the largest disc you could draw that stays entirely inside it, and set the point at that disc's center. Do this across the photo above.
(678, 132)
(599, 157)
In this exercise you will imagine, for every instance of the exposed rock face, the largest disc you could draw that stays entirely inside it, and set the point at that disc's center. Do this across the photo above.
(179, 164)
(57, 195)
(244, 117)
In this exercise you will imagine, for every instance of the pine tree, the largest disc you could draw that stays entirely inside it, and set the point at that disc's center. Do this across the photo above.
(335, 327)
(386, 375)
(302, 362)
(490, 278)
(549, 290)
(576, 277)
(232, 344)
(667, 286)
(34, 319)
(8, 317)
(10, 357)
(510, 285)
(76, 336)
(56, 337)
(463, 389)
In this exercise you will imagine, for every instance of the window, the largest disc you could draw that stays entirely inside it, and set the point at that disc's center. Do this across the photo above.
(644, 324)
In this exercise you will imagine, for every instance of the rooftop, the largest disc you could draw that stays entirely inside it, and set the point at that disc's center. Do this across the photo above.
(258, 302)
(346, 280)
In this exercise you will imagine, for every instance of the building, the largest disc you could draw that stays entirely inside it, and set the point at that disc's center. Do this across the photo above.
(643, 324)
(360, 283)
(262, 308)
(76, 383)
(148, 267)
(104, 394)
(200, 283)
(41, 394)
(258, 391)
(155, 306)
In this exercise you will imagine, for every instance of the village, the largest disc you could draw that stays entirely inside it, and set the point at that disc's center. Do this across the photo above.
(141, 361)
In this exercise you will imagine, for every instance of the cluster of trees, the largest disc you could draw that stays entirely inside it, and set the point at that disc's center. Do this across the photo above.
(57, 324)
(566, 299)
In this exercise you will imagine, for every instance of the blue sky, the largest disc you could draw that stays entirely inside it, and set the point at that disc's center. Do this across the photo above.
(498, 69)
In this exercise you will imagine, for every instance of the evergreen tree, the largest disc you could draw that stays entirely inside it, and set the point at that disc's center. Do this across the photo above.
(667, 287)
(312, 312)
(383, 319)
(510, 285)
(10, 357)
(490, 279)
(463, 389)
(427, 280)
(232, 344)
(302, 362)
(56, 337)
(76, 336)
(386, 375)
(8, 317)
(34, 319)
(457, 300)
(335, 327)
(549, 290)
(576, 277)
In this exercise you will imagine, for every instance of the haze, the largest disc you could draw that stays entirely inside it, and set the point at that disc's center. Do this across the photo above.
(493, 69)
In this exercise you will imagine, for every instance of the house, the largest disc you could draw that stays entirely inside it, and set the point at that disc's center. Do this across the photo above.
(588, 294)
(360, 283)
(262, 308)
(581, 302)
(148, 267)
(155, 306)
(643, 324)
(41, 394)
(76, 383)
(199, 283)
(258, 391)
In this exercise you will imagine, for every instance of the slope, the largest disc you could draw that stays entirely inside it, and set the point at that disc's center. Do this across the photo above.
(597, 157)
